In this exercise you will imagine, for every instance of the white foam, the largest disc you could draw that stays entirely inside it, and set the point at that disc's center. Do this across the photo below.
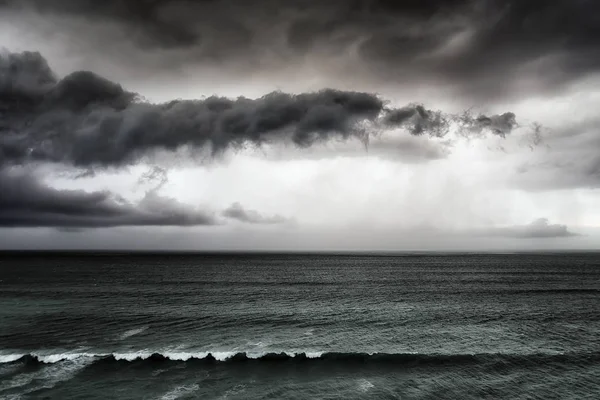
(364, 385)
(49, 358)
(17, 381)
(13, 397)
(313, 354)
(180, 391)
(47, 377)
(64, 371)
(223, 355)
(226, 355)
(182, 356)
(8, 358)
(132, 332)
(236, 390)
(138, 355)
(54, 358)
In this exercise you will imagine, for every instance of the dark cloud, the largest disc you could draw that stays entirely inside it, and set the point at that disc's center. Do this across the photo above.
(483, 47)
(86, 120)
(489, 49)
(237, 212)
(28, 202)
(157, 22)
(540, 228)
(409, 149)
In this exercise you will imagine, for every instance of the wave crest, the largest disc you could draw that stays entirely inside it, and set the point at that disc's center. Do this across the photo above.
(232, 357)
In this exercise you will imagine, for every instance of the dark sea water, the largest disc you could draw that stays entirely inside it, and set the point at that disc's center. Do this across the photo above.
(142, 326)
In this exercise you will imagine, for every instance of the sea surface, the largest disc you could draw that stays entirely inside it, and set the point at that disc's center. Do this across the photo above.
(299, 326)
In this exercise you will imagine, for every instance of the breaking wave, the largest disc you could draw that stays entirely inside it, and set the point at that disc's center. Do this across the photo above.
(234, 357)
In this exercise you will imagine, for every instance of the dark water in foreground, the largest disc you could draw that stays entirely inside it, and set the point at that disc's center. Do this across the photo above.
(85, 326)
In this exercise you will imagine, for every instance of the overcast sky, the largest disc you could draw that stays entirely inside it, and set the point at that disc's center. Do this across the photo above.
(300, 125)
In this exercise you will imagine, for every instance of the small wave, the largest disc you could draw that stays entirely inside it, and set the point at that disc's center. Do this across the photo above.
(180, 391)
(232, 356)
(365, 385)
(46, 378)
(13, 397)
(8, 369)
(234, 391)
(132, 332)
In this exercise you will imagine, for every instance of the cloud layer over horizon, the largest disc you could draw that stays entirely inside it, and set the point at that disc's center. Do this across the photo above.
(474, 115)
(86, 121)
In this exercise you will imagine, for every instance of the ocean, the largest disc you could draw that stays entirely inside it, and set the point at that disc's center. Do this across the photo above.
(299, 326)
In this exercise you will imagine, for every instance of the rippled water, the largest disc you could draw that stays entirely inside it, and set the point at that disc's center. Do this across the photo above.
(133, 326)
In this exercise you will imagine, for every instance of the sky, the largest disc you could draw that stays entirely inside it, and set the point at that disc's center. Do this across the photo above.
(300, 125)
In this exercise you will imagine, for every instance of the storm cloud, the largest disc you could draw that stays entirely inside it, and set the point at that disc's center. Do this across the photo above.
(28, 202)
(303, 82)
(86, 120)
(488, 48)
(237, 212)
(569, 160)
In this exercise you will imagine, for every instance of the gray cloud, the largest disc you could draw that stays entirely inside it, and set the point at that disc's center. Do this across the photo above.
(408, 149)
(486, 48)
(483, 47)
(86, 120)
(28, 202)
(540, 228)
(568, 159)
(303, 238)
(237, 212)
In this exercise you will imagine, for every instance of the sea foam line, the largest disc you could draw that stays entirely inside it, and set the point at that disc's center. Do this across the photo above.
(132, 332)
(234, 356)
(146, 354)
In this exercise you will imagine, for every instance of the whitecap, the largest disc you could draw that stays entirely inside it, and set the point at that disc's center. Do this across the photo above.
(47, 377)
(132, 332)
(237, 389)
(57, 357)
(13, 397)
(313, 354)
(223, 355)
(180, 391)
(8, 358)
(138, 355)
(183, 356)
(17, 381)
(364, 385)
